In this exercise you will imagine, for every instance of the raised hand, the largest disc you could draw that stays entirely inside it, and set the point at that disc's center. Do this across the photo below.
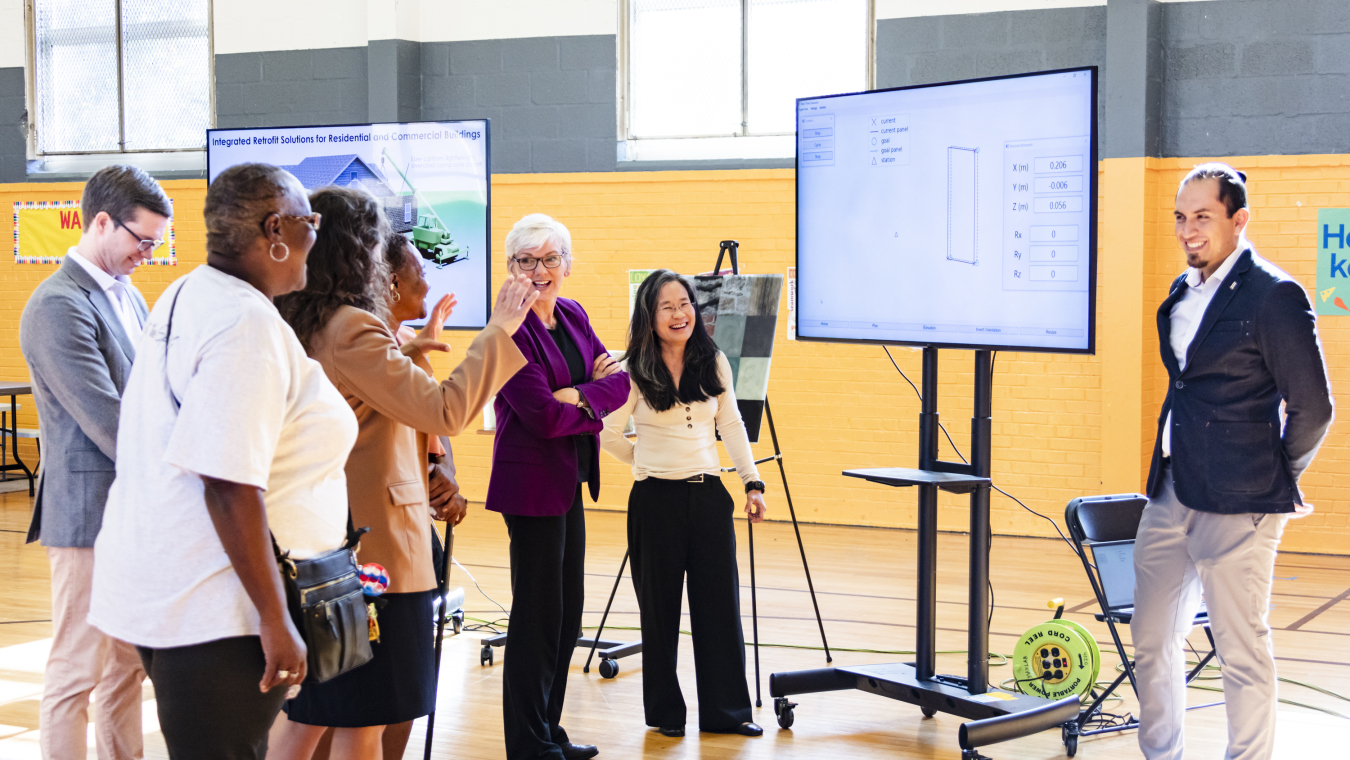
(429, 337)
(513, 303)
(439, 313)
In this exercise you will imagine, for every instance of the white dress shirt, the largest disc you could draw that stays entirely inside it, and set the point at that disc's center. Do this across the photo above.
(1187, 314)
(118, 290)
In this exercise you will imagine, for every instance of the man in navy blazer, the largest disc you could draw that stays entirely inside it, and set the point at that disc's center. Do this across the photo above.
(78, 334)
(1239, 339)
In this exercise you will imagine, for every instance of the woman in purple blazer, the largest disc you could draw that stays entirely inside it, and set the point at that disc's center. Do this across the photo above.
(547, 445)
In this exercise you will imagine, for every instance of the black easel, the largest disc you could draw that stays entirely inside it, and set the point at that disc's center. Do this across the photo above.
(608, 668)
(996, 714)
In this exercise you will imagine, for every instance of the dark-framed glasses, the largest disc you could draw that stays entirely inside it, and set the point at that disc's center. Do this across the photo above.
(144, 245)
(530, 263)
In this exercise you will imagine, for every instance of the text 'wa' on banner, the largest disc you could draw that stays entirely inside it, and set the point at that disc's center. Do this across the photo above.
(44, 231)
(1333, 262)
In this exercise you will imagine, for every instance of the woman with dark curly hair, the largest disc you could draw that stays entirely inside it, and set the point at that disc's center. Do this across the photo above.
(341, 318)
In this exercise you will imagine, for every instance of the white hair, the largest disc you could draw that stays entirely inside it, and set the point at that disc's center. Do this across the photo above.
(534, 231)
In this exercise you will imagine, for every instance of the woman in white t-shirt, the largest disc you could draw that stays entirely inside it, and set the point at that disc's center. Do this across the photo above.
(227, 431)
(679, 513)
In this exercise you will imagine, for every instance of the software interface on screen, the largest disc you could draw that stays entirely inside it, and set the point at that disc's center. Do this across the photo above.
(957, 214)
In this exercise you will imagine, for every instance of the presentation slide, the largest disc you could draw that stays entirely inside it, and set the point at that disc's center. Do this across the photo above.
(431, 178)
(953, 215)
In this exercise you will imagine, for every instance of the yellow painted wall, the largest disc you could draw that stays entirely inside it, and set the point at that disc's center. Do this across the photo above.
(1064, 426)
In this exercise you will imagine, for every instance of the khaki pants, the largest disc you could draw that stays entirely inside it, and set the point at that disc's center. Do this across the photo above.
(1178, 553)
(84, 662)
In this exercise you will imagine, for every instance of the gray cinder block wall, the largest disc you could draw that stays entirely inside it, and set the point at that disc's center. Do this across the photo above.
(1256, 77)
(932, 49)
(552, 100)
(13, 151)
(292, 87)
(1238, 77)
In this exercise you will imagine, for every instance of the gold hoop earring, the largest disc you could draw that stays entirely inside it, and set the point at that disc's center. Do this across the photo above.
(397, 296)
(284, 256)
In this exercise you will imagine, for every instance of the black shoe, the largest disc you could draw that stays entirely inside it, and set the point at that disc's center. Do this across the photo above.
(745, 729)
(675, 731)
(578, 751)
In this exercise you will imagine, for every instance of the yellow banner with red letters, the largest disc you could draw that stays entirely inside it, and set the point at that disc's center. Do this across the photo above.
(45, 230)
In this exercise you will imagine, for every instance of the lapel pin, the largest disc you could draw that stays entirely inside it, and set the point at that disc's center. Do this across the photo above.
(1233, 286)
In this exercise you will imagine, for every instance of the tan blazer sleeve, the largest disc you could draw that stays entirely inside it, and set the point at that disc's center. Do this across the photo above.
(367, 361)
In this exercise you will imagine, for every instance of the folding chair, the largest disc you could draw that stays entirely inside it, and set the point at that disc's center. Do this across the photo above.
(1107, 526)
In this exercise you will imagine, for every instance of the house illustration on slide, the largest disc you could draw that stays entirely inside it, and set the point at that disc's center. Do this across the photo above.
(350, 170)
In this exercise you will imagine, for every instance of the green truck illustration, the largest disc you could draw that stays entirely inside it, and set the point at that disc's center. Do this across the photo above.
(430, 235)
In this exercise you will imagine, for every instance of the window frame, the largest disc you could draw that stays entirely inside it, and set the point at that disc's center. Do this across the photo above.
(625, 96)
(34, 121)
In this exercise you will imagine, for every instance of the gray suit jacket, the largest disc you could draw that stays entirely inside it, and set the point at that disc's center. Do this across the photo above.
(79, 357)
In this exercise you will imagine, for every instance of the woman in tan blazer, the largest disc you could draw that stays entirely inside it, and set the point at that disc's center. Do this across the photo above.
(341, 318)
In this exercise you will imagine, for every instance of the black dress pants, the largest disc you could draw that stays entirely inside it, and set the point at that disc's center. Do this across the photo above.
(208, 700)
(547, 592)
(676, 528)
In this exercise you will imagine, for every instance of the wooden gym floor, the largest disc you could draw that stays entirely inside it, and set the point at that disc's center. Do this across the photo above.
(865, 583)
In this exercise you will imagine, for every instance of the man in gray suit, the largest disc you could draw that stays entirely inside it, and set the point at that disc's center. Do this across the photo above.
(78, 334)
(1247, 405)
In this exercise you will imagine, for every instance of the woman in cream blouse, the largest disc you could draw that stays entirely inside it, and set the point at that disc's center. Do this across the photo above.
(679, 513)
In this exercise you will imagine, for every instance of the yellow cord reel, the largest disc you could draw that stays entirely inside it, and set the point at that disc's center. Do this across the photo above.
(1056, 659)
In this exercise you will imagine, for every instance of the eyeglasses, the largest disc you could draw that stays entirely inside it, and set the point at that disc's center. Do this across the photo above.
(529, 263)
(313, 220)
(670, 311)
(145, 245)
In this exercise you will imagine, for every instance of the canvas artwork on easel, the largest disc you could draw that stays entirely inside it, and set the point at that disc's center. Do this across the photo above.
(740, 311)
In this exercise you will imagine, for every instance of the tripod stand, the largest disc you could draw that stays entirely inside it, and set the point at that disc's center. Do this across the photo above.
(614, 650)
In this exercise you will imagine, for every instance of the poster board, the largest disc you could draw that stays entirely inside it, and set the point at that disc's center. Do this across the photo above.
(44, 231)
(740, 311)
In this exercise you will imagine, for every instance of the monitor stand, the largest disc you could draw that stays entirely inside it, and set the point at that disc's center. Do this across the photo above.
(994, 714)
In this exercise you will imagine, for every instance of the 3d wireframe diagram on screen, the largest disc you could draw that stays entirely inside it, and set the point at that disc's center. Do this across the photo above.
(963, 182)
(741, 314)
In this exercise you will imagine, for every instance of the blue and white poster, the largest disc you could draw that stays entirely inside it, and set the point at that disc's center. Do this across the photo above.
(431, 178)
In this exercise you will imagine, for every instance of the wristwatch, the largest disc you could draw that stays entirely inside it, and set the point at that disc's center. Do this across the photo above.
(584, 405)
(754, 485)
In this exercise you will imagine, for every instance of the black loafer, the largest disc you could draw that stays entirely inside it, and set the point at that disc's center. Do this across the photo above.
(675, 731)
(578, 751)
(745, 729)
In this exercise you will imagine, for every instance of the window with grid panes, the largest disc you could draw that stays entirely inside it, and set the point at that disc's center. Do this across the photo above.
(734, 68)
(121, 75)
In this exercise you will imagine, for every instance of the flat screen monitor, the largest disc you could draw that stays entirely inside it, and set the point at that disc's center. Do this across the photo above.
(431, 178)
(956, 215)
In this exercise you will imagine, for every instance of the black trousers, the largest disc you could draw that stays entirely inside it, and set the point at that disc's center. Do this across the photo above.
(676, 529)
(547, 593)
(208, 700)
